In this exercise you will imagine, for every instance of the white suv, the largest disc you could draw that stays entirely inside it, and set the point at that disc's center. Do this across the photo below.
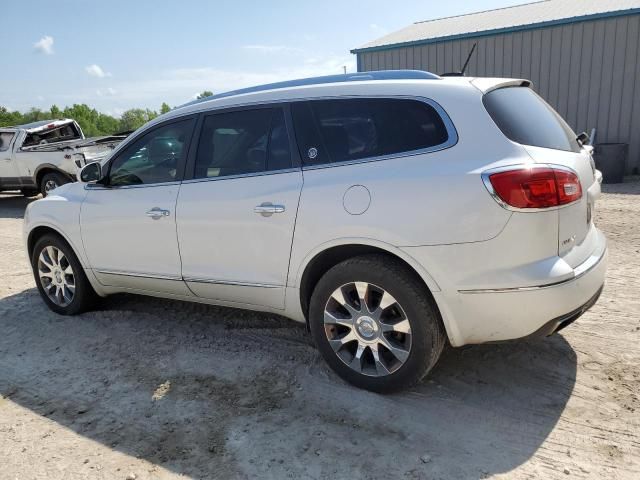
(391, 211)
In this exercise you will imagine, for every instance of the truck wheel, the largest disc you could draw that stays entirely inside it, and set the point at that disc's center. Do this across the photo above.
(374, 324)
(60, 278)
(51, 181)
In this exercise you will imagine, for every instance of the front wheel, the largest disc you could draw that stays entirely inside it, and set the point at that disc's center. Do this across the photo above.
(60, 278)
(375, 324)
(51, 181)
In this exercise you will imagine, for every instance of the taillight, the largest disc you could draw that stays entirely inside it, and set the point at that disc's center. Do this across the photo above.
(541, 187)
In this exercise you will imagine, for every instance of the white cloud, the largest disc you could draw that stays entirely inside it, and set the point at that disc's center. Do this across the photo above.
(377, 29)
(44, 45)
(272, 49)
(177, 86)
(106, 92)
(96, 71)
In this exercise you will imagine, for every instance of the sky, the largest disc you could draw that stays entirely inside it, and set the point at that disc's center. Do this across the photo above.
(119, 54)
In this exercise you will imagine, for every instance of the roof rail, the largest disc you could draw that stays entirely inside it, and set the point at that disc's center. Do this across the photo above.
(349, 77)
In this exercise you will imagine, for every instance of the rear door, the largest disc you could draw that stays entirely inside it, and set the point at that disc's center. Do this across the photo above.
(527, 119)
(236, 215)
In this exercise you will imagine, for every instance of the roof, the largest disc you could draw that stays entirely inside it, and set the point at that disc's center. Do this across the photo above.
(503, 20)
(348, 77)
(43, 125)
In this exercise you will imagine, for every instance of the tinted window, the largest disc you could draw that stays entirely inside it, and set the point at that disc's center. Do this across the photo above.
(351, 129)
(5, 140)
(153, 158)
(246, 141)
(526, 118)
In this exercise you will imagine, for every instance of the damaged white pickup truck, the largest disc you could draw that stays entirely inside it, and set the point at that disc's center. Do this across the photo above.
(40, 156)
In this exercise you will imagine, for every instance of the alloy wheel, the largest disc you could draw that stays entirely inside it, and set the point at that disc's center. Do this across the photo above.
(50, 185)
(367, 329)
(56, 276)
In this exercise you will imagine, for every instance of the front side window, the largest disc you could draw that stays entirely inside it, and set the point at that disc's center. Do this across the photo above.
(243, 142)
(353, 129)
(5, 140)
(153, 158)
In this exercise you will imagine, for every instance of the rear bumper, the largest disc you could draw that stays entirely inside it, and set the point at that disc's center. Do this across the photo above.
(491, 315)
(565, 320)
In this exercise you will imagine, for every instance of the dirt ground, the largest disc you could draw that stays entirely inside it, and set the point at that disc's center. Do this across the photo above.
(148, 389)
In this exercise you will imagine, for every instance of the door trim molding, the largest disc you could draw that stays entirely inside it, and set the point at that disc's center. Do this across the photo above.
(157, 276)
(232, 283)
(140, 275)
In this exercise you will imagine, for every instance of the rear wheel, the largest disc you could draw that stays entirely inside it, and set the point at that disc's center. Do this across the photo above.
(51, 181)
(60, 278)
(374, 324)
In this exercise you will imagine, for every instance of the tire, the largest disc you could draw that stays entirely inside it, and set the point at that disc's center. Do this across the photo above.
(83, 296)
(402, 304)
(50, 181)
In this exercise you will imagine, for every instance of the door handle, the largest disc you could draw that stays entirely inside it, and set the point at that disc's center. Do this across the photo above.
(6, 159)
(267, 209)
(157, 213)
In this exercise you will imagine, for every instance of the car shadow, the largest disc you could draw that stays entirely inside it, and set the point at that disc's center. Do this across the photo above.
(13, 205)
(215, 392)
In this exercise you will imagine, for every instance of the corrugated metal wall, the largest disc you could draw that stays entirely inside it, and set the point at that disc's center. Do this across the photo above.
(589, 71)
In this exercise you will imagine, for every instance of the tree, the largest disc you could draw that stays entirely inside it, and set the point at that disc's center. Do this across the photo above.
(135, 118)
(204, 94)
(164, 108)
(55, 112)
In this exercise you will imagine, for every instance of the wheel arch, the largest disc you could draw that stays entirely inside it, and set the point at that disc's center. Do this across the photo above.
(39, 231)
(45, 168)
(319, 261)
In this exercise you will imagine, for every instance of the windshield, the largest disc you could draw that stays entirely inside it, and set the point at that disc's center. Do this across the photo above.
(5, 140)
(524, 117)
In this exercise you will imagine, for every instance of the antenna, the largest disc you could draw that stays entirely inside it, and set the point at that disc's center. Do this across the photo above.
(464, 67)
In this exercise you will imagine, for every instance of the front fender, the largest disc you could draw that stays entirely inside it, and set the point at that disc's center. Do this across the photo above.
(59, 212)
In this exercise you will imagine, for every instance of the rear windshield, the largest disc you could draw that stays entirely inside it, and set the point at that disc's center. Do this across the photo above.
(63, 133)
(5, 140)
(525, 118)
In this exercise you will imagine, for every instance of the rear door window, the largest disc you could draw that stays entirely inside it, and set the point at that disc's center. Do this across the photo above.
(525, 118)
(243, 142)
(353, 129)
(5, 140)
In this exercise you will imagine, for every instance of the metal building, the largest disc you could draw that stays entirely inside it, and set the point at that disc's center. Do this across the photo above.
(583, 57)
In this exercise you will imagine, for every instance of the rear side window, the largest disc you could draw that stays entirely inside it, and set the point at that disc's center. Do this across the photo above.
(525, 118)
(352, 129)
(243, 142)
(5, 140)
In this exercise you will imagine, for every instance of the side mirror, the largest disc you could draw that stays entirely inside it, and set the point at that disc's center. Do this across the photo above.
(92, 172)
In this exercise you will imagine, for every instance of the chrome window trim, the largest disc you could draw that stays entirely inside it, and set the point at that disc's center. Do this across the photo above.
(97, 186)
(487, 183)
(242, 175)
(592, 262)
(230, 283)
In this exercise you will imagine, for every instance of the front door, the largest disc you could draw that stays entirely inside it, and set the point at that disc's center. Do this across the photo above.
(129, 223)
(9, 177)
(236, 215)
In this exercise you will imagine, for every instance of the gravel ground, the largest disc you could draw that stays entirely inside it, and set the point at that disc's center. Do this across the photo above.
(147, 388)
